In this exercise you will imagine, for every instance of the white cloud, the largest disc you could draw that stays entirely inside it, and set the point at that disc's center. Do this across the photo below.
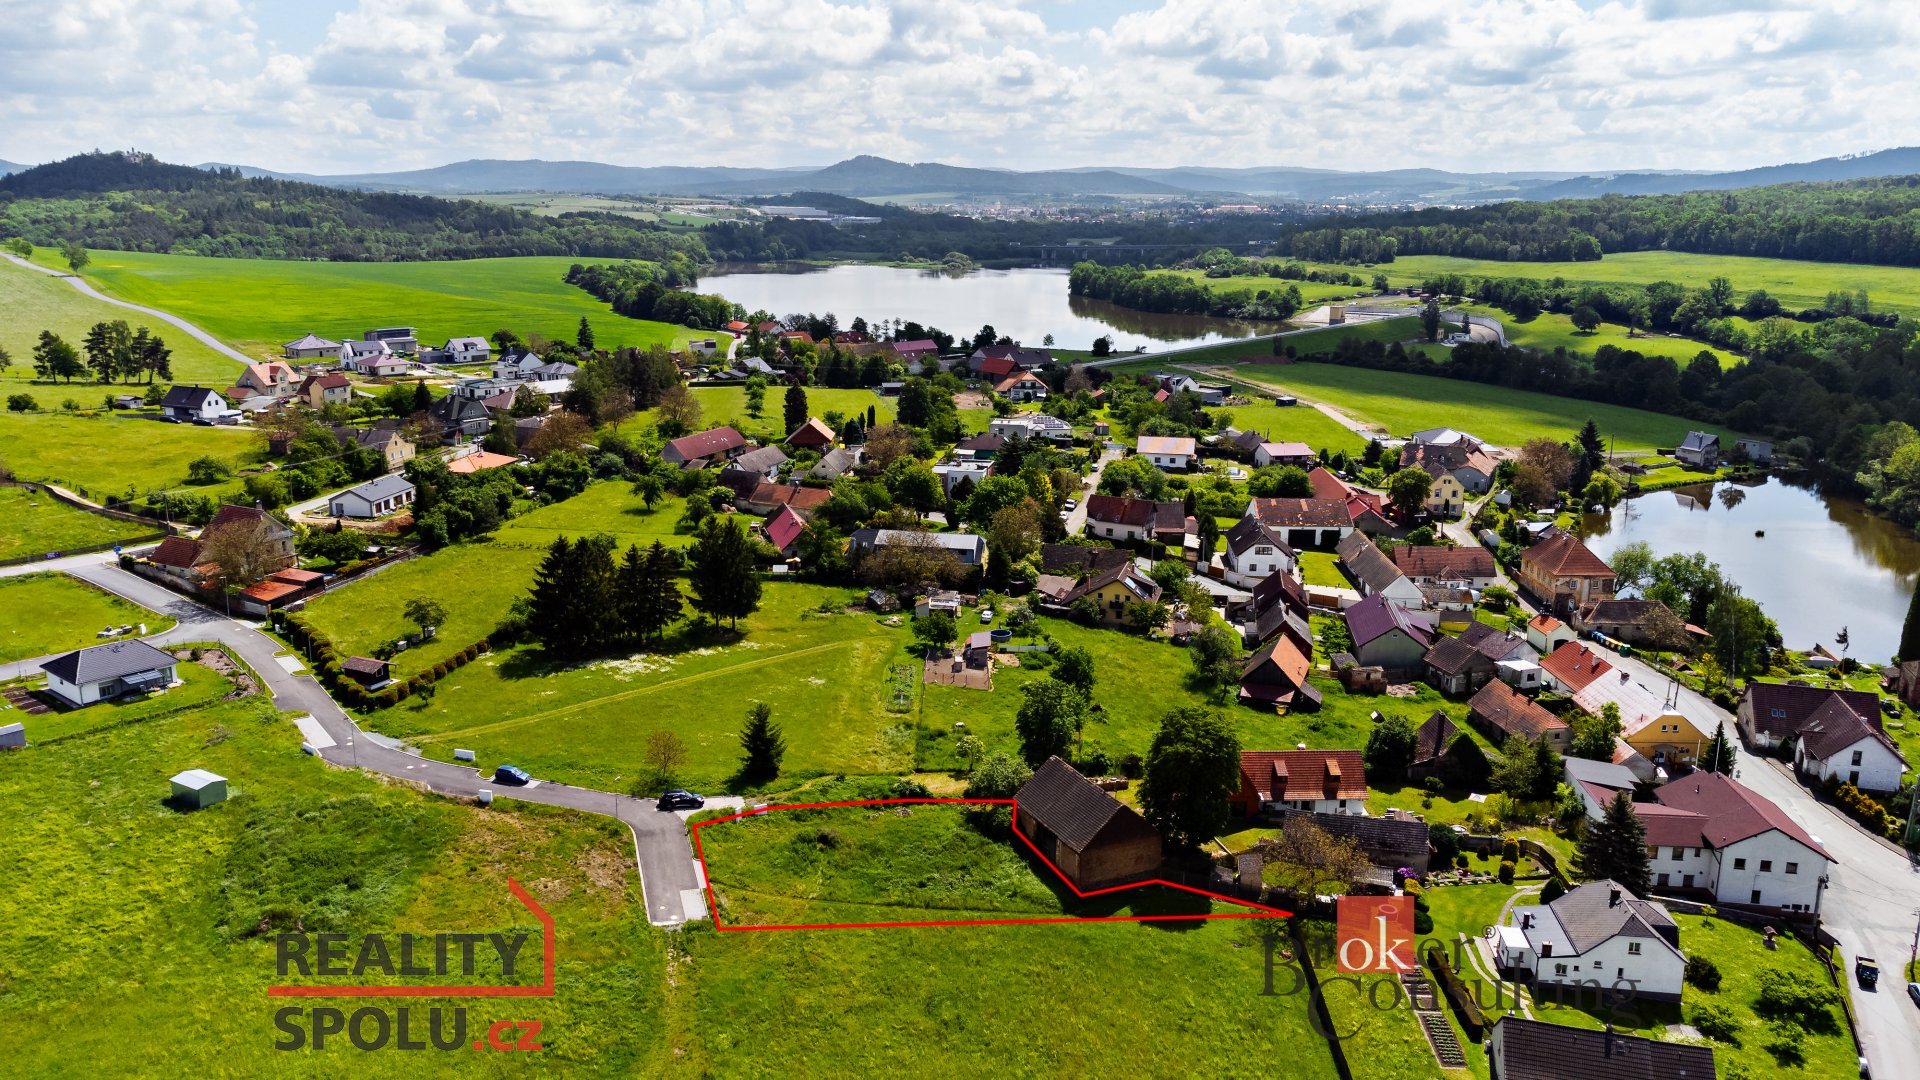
(1483, 85)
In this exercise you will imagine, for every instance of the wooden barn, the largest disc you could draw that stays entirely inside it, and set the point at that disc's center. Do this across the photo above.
(1094, 838)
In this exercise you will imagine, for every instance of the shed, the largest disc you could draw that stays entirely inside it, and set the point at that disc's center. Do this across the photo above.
(199, 788)
(13, 737)
(1092, 838)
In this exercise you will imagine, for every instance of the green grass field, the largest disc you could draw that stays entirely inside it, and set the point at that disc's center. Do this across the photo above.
(727, 405)
(105, 455)
(1323, 568)
(258, 304)
(1547, 331)
(1313, 292)
(51, 613)
(32, 523)
(1794, 283)
(200, 686)
(34, 302)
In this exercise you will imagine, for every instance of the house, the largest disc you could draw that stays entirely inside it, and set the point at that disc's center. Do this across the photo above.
(980, 447)
(1283, 453)
(1366, 511)
(991, 368)
(1499, 712)
(104, 672)
(387, 440)
(723, 443)
(1448, 451)
(1171, 384)
(356, 355)
(1116, 590)
(1498, 645)
(1093, 839)
(229, 516)
(1522, 1049)
(1432, 745)
(1388, 635)
(812, 435)
(400, 339)
(1022, 386)
(479, 461)
(1710, 832)
(276, 590)
(515, 364)
(311, 347)
(1699, 449)
(842, 460)
(1758, 451)
(1121, 517)
(783, 528)
(951, 473)
(461, 350)
(1546, 633)
(761, 463)
(1447, 497)
(1031, 426)
(1455, 667)
(1375, 574)
(461, 417)
(1318, 781)
(375, 498)
(1304, 523)
(1595, 933)
(1771, 713)
(1166, 452)
(320, 391)
(1276, 675)
(370, 673)
(917, 350)
(385, 367)
(194, 404)
(197, 789)
(969, 548)
(1278, 605)
(1255, 551)
(273, 379)
(1839, 744)
(1561, 571)
(1074, 560)
(488, 389)
(766, 498)
(1630, 621)
(1435, 564)
(1597, 782)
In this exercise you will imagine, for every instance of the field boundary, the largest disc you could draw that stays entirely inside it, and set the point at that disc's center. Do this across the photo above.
(1260, 911)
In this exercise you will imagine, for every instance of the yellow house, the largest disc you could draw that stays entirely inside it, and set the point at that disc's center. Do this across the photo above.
(1667, 739)
(1115, 590)
(1447, 497)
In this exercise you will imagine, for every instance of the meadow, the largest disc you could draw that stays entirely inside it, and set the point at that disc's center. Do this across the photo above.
(1547, 331)
(108, 455)
(727, 406)
(32, 523)
(53, 613)
(34, 302)
(1313, 292)
(256, 305)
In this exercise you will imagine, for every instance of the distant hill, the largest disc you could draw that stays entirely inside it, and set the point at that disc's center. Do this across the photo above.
(9, 167)
(1902, 161)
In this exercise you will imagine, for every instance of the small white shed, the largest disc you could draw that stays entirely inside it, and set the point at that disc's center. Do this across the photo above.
(199, 788)
(13, 737)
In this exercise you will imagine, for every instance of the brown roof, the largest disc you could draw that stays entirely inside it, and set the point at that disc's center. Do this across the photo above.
(1730, 811)
(1367, 565)
(1575, 666)
(1545, 623)
(1432, 739)
(1282, 662)
(1781, 709)
(1125, 573)
(1278, 588)
(1627, 612)
(268, 591)
(1139, 513)
(800, 498)
(1534, 1050)
(1016, 379)
(1561, 554)
(1074, 810)
(364, 665)
(176, 551)
(1070, 558)
(1303, 513)
(1507, 710)
(707, 443)
(1452, 656)
(1299, 775)
(1166, 444)
(814, 432)
(296, 577)
(479, 460)
(1437, 561)
(1834, 726)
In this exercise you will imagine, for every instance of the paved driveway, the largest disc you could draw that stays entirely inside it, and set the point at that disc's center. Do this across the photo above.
(1077, 517)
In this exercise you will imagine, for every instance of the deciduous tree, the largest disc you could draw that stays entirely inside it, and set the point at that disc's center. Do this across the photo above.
(1192, 769)
(1051, 714)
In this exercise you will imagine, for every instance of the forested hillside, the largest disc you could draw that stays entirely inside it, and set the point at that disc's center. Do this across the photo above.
(131, 202)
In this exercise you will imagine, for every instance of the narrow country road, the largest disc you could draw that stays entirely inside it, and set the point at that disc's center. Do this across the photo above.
(89, 291)
(669, 879)
(1076, 521)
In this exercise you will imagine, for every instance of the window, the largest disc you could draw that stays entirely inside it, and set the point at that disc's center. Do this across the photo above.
(1696, 853)
(1653, 853)
(1856, 757)
(1559, 969)
(1663, 881)
(1739, 864)
(1779, 714)
(1766, 866)
(1679, 853)
(1755, 898)
(1793, 868)
(1633, 948)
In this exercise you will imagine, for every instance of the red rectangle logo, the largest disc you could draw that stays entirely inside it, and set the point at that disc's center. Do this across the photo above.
(1375, 934)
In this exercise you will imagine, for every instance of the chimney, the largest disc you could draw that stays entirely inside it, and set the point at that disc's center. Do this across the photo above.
(1613, 897)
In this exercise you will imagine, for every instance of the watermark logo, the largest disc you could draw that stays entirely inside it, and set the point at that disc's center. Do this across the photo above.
(1375, 934)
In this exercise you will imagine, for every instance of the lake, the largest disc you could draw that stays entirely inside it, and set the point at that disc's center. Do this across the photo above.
(1025, 305)
(1824, 563)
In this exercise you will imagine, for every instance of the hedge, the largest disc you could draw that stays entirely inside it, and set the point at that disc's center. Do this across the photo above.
(1472, 1021)
(350, 693)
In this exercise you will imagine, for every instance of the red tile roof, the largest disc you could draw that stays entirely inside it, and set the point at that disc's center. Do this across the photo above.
(296, 577)
(1166, 444)
(1575, 666)
(1506, 709)
(1731, 811)
(1561, 554)
(784, 495)
(176, 551)
(1301, 775)
(270, 590)
(707, 443)
(1303, 513)
(1443, 562)
(1326, 485)
(1280, 663)
(998, 367)
(784, 527)
(814, 432)
(479, 461)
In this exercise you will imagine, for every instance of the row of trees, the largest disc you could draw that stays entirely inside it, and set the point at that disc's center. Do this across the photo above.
(112, 351)
(1135, 287)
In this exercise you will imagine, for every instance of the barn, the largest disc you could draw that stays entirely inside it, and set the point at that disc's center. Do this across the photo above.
(1093, 838)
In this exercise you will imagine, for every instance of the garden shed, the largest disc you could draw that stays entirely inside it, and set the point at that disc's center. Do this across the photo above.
(198, 788)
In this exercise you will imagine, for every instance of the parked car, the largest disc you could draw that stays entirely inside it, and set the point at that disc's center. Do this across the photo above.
(511, 774)
(1071, 504)
(1913, 991)
(680, 800)
(1867, 970)
(986, 615)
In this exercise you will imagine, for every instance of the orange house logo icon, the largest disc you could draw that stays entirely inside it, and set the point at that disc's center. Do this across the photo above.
(1375, 934)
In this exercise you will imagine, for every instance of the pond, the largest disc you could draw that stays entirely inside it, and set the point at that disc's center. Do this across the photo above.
(1025, 305)
(1816, 563)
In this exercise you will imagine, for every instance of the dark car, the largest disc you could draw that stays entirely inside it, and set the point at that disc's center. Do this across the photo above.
(1913, 991)
(511, 774)
(680, 800)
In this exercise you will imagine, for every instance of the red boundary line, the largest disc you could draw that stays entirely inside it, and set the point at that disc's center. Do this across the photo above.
(545, 989)
(1261, 911)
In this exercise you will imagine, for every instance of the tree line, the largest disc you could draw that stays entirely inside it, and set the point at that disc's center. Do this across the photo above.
(645, 291)
(1135, 287)
(112, 350)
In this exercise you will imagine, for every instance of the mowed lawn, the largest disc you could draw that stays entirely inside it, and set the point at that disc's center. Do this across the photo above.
(1313, 292)
(33, 302)
(1547, 331)
(727, 406)
(256, 305)
(144, 917)
(33, 523)
(106, 455)
(50, 613)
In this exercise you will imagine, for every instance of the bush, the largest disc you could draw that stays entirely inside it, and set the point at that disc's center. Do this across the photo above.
(1133, 766)
(1716, 1022)
(906, 787)
(1506, 871)
(1509, 849)
(1795, 999)
(1702, 973)
(22, 403)
(1095, 764)
(1553, 890)
(1786, 1041)
(1472, 1021)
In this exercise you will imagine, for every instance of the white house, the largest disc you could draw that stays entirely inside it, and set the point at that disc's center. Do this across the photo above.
(952, 472)
(189, 403)
(1597, 933)
(384, 367)
(1708, 832)
(1254, 552)
(1320, 781)
(1546, 633)
(467, 350)
(1283, 453)
(1022, 386)
(1597, 782)
(1375, 574)
(1032, 426)
(1166, 452)
(375, 498)
(353, 354)
(1701, 449)
(1838, 743)
(107, 671)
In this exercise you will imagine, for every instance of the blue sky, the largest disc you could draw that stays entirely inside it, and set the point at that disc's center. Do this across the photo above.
(358, 85)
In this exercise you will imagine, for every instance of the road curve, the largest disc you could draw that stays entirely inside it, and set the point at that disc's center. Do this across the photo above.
(92, 293)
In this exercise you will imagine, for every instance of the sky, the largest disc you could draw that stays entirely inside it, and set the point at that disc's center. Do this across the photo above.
(348, 86)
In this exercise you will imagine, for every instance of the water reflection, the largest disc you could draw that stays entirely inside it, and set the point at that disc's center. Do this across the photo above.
(1812, 561)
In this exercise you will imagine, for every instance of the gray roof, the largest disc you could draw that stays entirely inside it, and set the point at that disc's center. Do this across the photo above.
(313, 341)
(1701, 440)
(110, 661)
(366, 348)
(1534, 1050)
(1072, 808)
(1604, 773)
(186, 397)
(196, 779)
(970, 547)
(1248, 532)
(764, 460)
(1593, 913)
(1372, 569)
(381, 487)
(835, 462)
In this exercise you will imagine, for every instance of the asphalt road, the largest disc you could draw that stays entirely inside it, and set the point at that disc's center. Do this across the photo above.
(1076, 521)
(669, 879)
